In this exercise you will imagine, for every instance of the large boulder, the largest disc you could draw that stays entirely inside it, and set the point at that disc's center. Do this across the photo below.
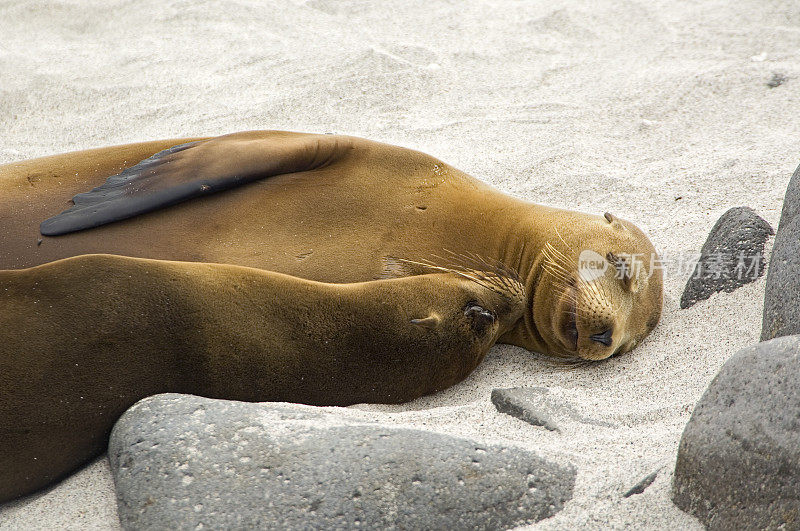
(738, 463)
(732, 256)
(791, 201)
(782, 291)
(181, 462)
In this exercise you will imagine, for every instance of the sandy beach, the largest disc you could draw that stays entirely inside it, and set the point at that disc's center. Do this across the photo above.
(658, 112)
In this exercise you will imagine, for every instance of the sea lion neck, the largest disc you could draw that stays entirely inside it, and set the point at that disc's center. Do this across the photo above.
(521, 249)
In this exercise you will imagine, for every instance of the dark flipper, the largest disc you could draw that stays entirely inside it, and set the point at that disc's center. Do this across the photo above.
(113, 200)
(192, 170)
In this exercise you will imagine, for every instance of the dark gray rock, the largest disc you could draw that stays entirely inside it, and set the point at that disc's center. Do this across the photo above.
(777, 80)
(520, 402)
(732, 256)
(738, 463)
(641, 485)
(181, 461)
(791, 201)
(534, 406)
(782, 291)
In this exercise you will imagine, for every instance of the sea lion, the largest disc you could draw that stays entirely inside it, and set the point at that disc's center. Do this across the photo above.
(333, 208)
(84, 338)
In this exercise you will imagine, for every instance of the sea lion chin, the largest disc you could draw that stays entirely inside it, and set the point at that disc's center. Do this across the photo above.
(330, 208)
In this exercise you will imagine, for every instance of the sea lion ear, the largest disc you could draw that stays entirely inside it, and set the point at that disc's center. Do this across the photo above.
(613, 220)
(638, 281)
(431, 322)
(629, 271)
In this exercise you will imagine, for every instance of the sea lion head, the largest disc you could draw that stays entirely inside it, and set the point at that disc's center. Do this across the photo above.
(492, 297)
(460, 313)
(599, 292)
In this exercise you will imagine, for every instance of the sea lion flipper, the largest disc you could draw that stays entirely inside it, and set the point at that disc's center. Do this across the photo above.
(195, 169)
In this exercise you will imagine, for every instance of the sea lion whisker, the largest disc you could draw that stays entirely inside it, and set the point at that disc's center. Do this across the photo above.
(556, 270)
(473, 260)
(554, 255)
(562, 285)
(441, 268)
(568, 246)
(548, 261)
(557, 274)
(557, 257)
(593, 290)
(495, 281)
(495, 270)
(559, 253)
(565, 283)
(592, 286)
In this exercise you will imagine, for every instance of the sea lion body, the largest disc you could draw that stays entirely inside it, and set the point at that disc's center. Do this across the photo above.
(84, 338)
(333, 208)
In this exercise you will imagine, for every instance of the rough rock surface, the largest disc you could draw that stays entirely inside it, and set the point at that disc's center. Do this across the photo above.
(641, 485)
(732, 256)
(534, 406)
(791, 201)
(181, 461)
(782, 290)
(738, 462)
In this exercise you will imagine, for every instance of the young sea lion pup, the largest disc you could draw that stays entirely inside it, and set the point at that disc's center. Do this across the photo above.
(295, 203)
(84, 338)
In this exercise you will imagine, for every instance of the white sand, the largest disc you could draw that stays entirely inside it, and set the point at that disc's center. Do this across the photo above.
(592, 105)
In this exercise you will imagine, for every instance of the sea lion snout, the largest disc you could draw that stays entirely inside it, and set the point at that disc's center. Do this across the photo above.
(481, 318)
(588, 322)
(604, 338)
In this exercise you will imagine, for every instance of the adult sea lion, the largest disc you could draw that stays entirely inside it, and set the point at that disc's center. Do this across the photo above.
(86, 337)
(333, 208)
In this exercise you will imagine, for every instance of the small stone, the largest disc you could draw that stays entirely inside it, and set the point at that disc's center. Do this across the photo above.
(777, 80)
(641, 485)
(517, 403)
(298, 467)
(534, 406)
(732, 256)
(738, 464)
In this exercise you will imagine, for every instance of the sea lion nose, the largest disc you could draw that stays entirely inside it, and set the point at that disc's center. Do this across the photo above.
(603, 337)
(481, 318)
